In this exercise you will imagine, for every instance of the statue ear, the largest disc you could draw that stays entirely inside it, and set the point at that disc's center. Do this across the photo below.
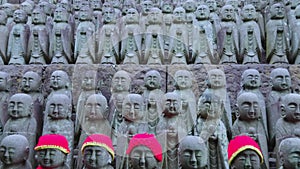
(26, 153)
(282, 110)
(281, 158)
(236, 109)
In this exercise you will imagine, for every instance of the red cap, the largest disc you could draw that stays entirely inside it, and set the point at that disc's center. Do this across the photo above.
(55, 141)
(100, 140)
(147, 140)
(241, 143)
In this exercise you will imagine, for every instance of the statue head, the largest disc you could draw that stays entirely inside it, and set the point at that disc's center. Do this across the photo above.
(31, 82)
(144, 152)
(59, 106)
(244, 152)
(257, 4)
(27, 7)
(107, 5)
(281, 79)
(152, 80)
(227, 13)
(248, 13)
(132, 16)
(20, 105)
(190, 6)
(179, 14)
(52, 150)
(14, 151)
(133, 107)
(248, 106)
(61, 15)
(128, 4)
(171, 104)
(210, 106)
(97, 151)
(4, 78)
(216, 79)
(146, 6)
(289, 107)
(96, 4)
(109, 15)
(59, 80)
(89, 80)
(155, 15)
(193, 153)
(167, 6)
(212, 5)
(46, 7)
(85, 13)
(234, 3)
(277, 11)
(202, 12)
(156, 102)
(9, 9)
(38, 16)
(3, 18)
(65, 4)
(95, 107)
(121, 81)
(183, 79)
(289, 153)
(251, 79)
(20, 16)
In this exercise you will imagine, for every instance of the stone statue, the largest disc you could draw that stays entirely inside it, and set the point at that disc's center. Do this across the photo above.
(131, 38)
(20, 112)
(237, 11)
(167, 8)
(48, 8)
(9, 9)
(211, 129)
(28, 7)
(18, 40)
(244, 152)
(250, 38)
(61, 38)
(57, 120)
(295, 43)
(251, 82)
(154, 44)
(193, 154)
(204, 41)
(214, 15)
(98, 152)
(14, 152)
(248, 123)
(184, 88)
(109, 38)
(190, 7)
(171, 129)
(288, 124)
(4, 92)
(38, 45)
(128, 4)
(144, 151)
(281, 86)
(216, 83)
(228, 39)
(288, 153)
(52, 151)
(146, 6)
(96, 6)
(153, 84)
(60, 83)
(84, 38)
(154, 108)
(4, 33)
(277, 33)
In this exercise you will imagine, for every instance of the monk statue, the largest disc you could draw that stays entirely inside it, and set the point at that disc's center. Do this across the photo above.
(204, 41)
(277, 33)
(146, 6)
(18, 40)
(281, 86)
(295, 43)
(288, 153)
(288, 124)
(248, 123)
(153, 84)
(84, 49)
(28, 7)
(251, 82)
(9, 9)
(128, 4)
(250, 37)
(98, 152)
(214, 15)
(52, 151)
(228, 39)
(14, 152)
(211, 130)
(190, 7)
(48, 8)
(38, 45)
(93, 121)
(167, 8)
(244, 152)
(144, 151)
(154, 108)
(193, 153)
(4, 33)
(131, 38)
(20, 112)
(4, 92)
(57, 120)
(236, 4)
(154, 44)
(61, 38)
(96, 6)
(171, 129)
(60, 83)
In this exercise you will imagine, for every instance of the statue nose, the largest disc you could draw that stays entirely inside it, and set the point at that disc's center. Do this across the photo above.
(142, 159)
(193, 157)
(248, 163)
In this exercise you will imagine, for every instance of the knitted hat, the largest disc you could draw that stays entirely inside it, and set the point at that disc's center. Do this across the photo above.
(147, 140)
(241, 143)
(55, 141)
(101, 141)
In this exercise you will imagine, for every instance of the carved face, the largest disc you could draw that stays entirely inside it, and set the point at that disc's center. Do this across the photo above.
(291, 107)
(248, 106)
(179, 14)
(8, 8)
(190, 6)
(234, 3)
(249, 12)
(212, 5)
(227, 13)
(60, 15)
(146, 6)
(96, 157)
(20, 16)
(207, 106)
(183, 79)
(76, 4)
(46, 7)
(152, 80)
(172, 104)
(167, 7)
(251, 79)
(59, 80)
(27, 7)
(3, 81)
(155, 15)
(85, 14)
(216, 79)
(89, 81)
(277, 11)
(109, 15)
(281, 80)
(19, 106)
(95, 4)
(247, 159)
(132, 107)
(51, 158)
(202, 12)
(31, 82)
(58, 107)
(121, 82)
(256, 4)
(192, 158)
(38, 16)
(126, 6)
(132, 16)
(141, 157)
(95, 106)
(3, 18)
